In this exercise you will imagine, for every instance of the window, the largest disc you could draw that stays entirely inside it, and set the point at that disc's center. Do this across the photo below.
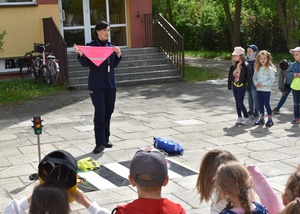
(17, 2)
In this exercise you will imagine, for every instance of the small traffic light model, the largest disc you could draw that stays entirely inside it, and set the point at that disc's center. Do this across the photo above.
(37, 125)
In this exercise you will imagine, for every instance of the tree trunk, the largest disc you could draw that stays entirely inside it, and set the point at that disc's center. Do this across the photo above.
(236, 41)
(288, 20)
(234, 26)
(169, 11)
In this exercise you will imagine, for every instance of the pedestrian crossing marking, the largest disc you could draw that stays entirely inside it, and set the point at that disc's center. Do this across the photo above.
(112, 175)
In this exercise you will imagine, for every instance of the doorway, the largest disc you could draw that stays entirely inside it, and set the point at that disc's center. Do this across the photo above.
(79, 17)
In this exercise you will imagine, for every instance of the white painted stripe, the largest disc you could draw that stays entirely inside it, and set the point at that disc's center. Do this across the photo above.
(118, 169)
(182, 164)
(173, 174)
(96, 180)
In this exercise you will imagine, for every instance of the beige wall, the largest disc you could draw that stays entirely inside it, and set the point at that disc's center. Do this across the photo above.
(24, 26)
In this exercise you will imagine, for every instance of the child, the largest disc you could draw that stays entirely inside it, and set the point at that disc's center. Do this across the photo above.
(264, 76)
(293, 73)
(252, 50)
(284, 84)
(233, 183)
(205, 181)
(238, 77)
(149, 173)
(206, 186)
(51, 198)
(291, 194)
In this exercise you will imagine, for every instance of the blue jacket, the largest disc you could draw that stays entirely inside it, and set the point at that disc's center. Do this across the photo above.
(259, 209)
(294, 68)
(99, 77)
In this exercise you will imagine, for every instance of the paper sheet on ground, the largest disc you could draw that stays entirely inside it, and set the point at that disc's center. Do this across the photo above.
(96, 54)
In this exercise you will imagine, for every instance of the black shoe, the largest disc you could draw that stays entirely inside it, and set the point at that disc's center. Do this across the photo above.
(260, 121)
(108, 145)
(98, 149)
(276, 110)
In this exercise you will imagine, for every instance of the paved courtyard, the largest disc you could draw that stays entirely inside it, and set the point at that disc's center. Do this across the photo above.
(201, 116)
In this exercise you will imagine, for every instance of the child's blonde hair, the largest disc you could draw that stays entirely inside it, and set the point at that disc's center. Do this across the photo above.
(292, 193)
(233, 181)
(209, 165)
(269, 63)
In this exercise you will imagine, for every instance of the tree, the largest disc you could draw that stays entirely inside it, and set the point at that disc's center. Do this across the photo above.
(288, 18)
(233, 24)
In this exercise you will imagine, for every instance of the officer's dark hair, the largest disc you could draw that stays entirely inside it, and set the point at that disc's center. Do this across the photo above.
(101, 25)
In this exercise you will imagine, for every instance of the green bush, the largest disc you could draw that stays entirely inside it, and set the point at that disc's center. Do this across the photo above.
(2, 35)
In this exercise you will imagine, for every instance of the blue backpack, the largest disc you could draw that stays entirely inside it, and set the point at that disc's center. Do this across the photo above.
(168, 146)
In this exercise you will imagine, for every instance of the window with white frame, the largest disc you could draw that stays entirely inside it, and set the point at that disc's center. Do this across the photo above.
(17, 2)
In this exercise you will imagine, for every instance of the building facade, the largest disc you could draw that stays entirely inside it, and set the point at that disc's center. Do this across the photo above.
(76, 19)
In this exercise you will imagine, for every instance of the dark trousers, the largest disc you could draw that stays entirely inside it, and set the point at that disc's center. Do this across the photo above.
(296, 99)
(264, 101)
(283, 98)
(104, 104)
(239, 95)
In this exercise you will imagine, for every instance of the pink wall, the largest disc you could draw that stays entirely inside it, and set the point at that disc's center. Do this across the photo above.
(137, 10)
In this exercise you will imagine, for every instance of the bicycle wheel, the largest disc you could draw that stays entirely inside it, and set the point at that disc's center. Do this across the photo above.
(28, 71)
(45, 75)
(54, 69)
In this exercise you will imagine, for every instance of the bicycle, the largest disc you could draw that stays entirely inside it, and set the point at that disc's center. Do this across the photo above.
(36, 67)
(50, 60)
(28, 68)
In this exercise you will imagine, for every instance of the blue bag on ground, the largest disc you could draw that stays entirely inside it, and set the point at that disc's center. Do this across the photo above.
(168, 146)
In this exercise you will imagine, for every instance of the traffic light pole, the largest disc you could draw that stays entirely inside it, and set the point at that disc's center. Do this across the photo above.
(39, 147)
(37, 126)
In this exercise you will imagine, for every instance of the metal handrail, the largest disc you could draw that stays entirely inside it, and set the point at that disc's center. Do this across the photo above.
(169, 41)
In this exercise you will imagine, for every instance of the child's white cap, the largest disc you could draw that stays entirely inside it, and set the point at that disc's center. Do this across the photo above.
(295, 49)
(238, 51)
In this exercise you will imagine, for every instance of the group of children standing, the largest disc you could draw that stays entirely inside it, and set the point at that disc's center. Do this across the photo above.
(255, 74)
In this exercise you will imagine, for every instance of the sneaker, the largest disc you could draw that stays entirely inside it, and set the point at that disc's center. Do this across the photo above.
(245, 121)
(239, 121)
(250, 113)
(269, 122)
(295, 121)
(276, 110)
(260, 121)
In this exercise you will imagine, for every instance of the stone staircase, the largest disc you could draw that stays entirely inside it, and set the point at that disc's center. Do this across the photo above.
(138, 66)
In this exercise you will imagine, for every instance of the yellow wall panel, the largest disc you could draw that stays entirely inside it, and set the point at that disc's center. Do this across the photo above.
(24, 26)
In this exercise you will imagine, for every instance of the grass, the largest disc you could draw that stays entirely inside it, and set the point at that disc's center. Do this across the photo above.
(18, 90)
(277, 57)
(208, 54)
(195, 74)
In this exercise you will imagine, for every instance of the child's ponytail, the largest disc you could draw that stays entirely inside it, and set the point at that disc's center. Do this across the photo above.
(293, 207)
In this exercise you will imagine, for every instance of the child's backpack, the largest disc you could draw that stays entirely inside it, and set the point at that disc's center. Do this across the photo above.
(168, 146)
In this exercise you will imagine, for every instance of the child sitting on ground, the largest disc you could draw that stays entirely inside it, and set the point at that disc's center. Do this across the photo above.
(206, 185)
(51, 197)
(291, 194)
(149, 173)
(234, 184)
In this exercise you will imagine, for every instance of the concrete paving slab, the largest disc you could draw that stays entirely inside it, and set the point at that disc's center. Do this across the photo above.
(201, 116)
